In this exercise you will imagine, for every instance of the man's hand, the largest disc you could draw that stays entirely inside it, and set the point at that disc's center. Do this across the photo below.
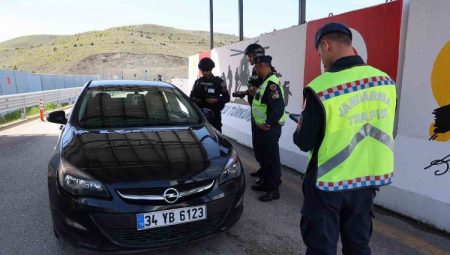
(252, 90)
(264, 127)
(212, 100)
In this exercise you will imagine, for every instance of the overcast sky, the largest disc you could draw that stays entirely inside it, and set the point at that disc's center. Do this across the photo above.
(25, 17)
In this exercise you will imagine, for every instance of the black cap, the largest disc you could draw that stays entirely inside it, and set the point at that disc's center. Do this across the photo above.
(263, 59)
(331, 28)
(206, 64)
(254, 48)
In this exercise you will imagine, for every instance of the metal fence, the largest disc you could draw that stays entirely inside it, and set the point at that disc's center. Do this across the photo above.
(17, 82)
(21, 101)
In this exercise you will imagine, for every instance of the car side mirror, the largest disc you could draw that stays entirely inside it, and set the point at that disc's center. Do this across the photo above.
(209, 114)
(58, 117)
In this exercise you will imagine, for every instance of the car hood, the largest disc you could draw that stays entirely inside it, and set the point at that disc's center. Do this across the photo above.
(142, 155)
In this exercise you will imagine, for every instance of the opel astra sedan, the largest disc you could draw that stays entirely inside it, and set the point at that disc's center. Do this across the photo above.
(137, 166)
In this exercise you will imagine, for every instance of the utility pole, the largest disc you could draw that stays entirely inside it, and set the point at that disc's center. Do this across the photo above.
(241, 20)
(211, 30)
(301, 12)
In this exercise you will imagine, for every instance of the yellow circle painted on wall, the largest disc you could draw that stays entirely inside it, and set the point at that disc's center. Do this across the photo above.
(440, 85)
(440, 77)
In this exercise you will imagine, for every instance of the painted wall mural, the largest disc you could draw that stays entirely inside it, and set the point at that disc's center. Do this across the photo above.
(440, 84)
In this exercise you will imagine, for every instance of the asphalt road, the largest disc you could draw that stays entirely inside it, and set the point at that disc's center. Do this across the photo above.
(265, 228)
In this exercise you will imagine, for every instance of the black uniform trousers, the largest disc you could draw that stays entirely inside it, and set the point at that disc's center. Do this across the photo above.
(270, 156)
(325, 215)
(256, 144)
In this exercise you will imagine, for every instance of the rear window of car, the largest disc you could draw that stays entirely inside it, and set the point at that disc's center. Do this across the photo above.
(134, 106)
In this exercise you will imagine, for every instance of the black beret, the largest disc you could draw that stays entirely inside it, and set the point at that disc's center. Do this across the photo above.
(254, 48)
(263, 59)
(331, 28)
(206, 64)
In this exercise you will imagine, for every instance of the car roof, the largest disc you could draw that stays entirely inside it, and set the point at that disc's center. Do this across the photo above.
(121, 83)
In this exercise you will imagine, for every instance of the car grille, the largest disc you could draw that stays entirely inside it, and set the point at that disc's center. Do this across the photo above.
(160, 190)
(165, 236)
(138, 196)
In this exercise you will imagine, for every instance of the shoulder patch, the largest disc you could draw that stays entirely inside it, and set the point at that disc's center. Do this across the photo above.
(223, 84)
(273, 86)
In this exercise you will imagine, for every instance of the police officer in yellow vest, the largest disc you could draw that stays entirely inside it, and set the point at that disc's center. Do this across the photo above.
(347, 128)
(269, 116)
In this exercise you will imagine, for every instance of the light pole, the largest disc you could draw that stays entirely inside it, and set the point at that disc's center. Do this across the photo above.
(241, 20)
(301, 12)
(211, 30)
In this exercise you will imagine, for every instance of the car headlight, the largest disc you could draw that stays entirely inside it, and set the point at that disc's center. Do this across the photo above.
(232, 168)
(79, 183)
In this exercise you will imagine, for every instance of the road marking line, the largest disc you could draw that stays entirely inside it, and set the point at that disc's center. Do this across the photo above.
(407, 239)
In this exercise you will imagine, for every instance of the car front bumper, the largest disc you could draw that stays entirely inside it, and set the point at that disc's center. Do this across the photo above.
(101, 225)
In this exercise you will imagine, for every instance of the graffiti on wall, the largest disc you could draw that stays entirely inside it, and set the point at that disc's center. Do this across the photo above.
(440, 129)
(237, 79)
(440, 84)
(443, 165)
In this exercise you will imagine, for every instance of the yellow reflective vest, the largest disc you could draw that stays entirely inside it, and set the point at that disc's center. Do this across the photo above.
(259, 109)
(357, 150)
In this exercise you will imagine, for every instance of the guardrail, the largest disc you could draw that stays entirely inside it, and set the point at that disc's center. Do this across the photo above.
(21, 101)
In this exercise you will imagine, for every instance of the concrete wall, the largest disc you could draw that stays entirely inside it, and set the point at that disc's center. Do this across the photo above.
(416, 191)
(295, 58)
(410, 41)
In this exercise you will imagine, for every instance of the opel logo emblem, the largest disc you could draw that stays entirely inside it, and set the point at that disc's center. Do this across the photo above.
(171, 195)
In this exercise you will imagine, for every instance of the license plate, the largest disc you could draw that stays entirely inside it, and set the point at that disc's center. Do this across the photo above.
(170, 217)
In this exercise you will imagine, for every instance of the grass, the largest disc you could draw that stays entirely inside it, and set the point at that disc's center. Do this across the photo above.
(29, 41)
(30, 112)
(9, 117)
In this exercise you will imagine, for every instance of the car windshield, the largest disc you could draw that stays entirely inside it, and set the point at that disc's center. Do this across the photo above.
(134, 106)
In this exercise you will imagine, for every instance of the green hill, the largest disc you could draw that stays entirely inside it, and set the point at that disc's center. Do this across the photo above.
(29, 41)
(139, 52)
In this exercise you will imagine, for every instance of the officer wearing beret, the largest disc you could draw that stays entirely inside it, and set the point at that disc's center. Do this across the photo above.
(251, 51)
(210, 92)
(269, 116)
(350, 141)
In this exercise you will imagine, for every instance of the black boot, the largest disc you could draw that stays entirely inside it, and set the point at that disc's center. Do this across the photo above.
(259, 187)
(259, 180)
(257, 173)
(270, 195)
